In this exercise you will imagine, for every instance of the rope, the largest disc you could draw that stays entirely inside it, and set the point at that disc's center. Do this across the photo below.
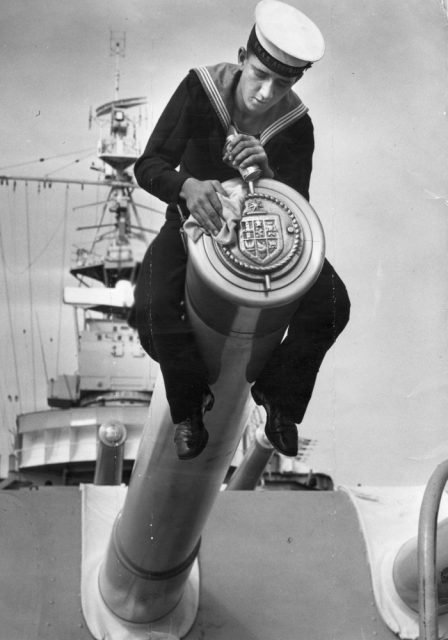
(6, 420)
(61, 155)
(64, 246)
(8, 304)
(30, 292)
(69, 164)
(44, 362)
(47, 244)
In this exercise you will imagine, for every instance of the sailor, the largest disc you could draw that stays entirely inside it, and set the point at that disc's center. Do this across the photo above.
(184, 165)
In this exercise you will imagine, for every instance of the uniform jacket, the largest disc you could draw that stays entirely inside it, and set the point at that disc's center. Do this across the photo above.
(189, 137)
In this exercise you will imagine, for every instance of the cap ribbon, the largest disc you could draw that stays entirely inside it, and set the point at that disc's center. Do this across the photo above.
(272, 63)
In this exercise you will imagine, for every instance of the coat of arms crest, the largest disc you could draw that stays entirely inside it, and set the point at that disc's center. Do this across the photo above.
(260, 238)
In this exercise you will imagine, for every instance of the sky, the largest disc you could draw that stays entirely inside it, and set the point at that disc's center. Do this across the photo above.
(379, 186)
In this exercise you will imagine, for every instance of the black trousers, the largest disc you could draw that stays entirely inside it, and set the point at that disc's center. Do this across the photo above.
(289, 376)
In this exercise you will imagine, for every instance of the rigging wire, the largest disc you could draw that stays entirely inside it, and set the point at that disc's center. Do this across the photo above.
(64, 247)
(103, 213)
(30, 292)
(9, 434)
(44, 361)
(8, 305)
(40, 254)
(61, 155)
(69, 164)
(50, 239)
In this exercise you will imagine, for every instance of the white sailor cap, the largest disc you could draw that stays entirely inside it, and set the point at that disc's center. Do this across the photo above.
(284, 38)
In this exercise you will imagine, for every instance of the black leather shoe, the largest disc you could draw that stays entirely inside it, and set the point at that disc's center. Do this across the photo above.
(190, 436)
(280, 430)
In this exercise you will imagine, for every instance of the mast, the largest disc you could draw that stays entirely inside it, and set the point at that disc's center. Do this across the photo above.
(118, 49)
(114, 379)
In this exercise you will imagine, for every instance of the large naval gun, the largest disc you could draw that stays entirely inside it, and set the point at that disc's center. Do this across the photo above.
(155, 560)
(147, 584)
(239, 298)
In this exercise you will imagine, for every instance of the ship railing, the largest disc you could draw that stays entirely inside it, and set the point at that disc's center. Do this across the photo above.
(427, 550)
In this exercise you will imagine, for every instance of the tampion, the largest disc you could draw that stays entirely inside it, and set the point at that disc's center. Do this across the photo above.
(279, 250)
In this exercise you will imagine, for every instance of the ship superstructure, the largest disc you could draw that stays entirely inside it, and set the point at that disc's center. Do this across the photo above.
(114, 379)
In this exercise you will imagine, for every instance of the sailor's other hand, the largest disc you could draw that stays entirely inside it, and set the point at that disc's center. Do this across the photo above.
(201, 198)
(244, 151)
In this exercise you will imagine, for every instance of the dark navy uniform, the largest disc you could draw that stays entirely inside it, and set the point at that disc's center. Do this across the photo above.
(187, 142)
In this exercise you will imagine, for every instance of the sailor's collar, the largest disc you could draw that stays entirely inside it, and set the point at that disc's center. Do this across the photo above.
(218, 82)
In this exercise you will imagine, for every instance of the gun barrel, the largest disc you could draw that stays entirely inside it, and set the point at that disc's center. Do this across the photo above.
(110, 452)
(237, 321)
(251, 468)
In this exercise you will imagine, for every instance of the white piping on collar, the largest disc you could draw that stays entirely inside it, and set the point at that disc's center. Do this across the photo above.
(223, 114)
(282, 123)
(214, 96)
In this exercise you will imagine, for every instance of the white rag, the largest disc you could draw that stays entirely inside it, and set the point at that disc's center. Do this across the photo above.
(232, 207)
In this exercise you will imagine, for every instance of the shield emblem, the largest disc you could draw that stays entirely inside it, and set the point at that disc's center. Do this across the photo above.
(260, 238)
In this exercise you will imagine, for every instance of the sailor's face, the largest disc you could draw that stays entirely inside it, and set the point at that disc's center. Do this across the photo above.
(259, 88)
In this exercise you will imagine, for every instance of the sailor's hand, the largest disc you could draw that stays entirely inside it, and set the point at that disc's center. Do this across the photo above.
(201, 198)
(244, 151)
